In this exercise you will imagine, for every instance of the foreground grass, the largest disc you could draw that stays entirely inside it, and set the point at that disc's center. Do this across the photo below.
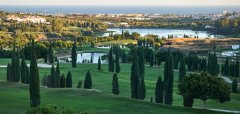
(102, 81)
(15, 100)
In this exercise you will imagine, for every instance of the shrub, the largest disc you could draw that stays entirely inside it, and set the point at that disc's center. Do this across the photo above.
(49, 109)
(79, 84)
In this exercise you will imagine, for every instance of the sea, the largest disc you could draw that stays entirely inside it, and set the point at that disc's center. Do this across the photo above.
(179, 10)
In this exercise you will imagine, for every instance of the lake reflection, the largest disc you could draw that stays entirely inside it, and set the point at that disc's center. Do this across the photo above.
(163, 33)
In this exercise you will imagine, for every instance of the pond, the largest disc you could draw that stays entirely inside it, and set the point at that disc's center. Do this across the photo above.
(88, 58)
(163, 33)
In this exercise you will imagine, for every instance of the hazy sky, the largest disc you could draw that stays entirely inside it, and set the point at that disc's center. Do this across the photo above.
(123, 2)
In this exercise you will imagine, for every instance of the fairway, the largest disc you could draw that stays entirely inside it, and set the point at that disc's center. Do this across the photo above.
(16, 96)
(102, 101)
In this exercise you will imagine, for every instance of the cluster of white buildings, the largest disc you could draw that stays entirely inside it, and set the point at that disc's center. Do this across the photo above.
(33, 19)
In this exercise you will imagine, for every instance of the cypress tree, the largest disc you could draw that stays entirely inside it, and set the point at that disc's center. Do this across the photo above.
(226, 67)
(91, 60)
(151, 61)
(159, 90)
(50, 54)
(237, 66)
(49, 81)
(110, 61)
(134, 75)
(182, 70)
(124, 57)
(18, 73)
(168, 79)
(57, 76)
(117, 60)
(234, 86)
(53, 77)
(23, 70)
(13, 65)
(34, 85)
(222, 69)
(209, 63)
(69, 80)
(212, 64)
(99, 64)
(122, 34)
(79, 84)
(88, 81)
(8, 72)
(27, 74)
(115, 84)
(74, 55)
(44, 80)
(62, 81)
(141, 82)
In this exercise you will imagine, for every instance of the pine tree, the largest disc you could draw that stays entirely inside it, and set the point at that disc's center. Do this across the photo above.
(115, 84)
(99, 64)
(182, 70)
(50, 54)
(34, 86)
(74, 55)
(234, 86)
(69, 80)
(53, 77)
(23, 70)
(159, 90)
(168, 79)
(62, 81)
(117, 60)
(88, 81)
(57, 76)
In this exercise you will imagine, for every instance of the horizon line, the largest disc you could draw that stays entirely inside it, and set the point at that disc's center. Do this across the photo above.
(128, 5)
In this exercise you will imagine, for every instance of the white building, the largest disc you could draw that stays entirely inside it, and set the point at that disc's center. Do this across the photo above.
(33, 19)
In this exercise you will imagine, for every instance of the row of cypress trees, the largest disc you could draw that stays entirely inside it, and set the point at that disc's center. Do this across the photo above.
(111, 61)
(27, 76)
(230, 68)
(138, 90)
(16, 71)
(13, 69)
(164, 88)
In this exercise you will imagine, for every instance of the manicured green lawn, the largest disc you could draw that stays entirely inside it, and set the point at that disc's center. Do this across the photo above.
(102, 81)
(15, 100)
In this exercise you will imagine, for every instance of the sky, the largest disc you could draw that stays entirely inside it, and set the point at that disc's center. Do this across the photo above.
(125, 2)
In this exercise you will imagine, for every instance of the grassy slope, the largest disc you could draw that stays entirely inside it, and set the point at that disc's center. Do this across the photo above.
(15, 100)
(102, 81)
